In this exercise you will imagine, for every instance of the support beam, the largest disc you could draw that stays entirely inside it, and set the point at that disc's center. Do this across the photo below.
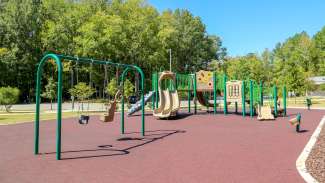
(284, 100)
(214, 93)
(275, 97)
(225, 107)
(189, 93)
(251, 99)
(195, 97)
(243, 99)
(261, 93)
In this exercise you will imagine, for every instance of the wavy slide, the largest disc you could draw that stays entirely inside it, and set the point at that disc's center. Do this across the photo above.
(169, 102)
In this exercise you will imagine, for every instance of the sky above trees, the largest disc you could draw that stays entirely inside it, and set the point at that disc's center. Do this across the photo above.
(250, 26)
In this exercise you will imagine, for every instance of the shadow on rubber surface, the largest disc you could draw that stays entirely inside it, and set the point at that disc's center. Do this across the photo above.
(150, 138)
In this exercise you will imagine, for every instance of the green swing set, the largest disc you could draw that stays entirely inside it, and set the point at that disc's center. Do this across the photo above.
(58, 60)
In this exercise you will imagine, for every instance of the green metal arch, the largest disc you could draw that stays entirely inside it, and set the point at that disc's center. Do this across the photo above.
(139, 70)
(59, 99)
(58, 60)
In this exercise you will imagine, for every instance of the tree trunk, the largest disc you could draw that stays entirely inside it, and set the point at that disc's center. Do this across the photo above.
(117, 75)
(136, 83)
(51, 105)
(8, 107)
(72, 103)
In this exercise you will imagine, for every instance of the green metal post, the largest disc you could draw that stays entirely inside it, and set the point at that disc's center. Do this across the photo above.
(157, 89)
(194, 91)
(122, 112)
(284, 101)
(142, 102)
(153, 89)
(275, 96)
(261, 93)
(189, 94)
(37, 114)
(225, 107)
(59, 110)
(214, 93)
(176, 84)
(59, 105)
(251, 98)
(122, 102)
(243, 99)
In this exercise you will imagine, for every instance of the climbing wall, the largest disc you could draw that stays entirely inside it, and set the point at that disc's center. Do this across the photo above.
(204, 81)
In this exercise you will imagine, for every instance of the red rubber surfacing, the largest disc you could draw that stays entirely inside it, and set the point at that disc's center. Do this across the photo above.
(198, 148)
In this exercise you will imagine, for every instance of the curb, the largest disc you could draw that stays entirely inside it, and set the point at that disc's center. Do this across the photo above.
(301, 161)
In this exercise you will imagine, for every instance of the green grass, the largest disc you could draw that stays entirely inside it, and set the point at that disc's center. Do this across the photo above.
(301, 102)
(16, 118)
(26, 116)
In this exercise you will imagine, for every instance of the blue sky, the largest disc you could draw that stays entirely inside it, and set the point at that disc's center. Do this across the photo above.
(247, 26)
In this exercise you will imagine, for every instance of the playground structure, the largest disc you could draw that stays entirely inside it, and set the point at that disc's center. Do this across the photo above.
(166, 87)
(58, 61)
(168, 98)
(201, 85)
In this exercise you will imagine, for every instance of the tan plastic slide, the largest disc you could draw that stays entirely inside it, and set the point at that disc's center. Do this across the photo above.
(169, 101)
(265, 113)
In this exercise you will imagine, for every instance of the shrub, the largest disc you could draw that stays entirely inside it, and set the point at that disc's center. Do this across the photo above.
(8, 97)
(112, 88)
(50, 91)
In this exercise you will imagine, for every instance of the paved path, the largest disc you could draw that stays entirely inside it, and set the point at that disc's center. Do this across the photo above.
(199, 148)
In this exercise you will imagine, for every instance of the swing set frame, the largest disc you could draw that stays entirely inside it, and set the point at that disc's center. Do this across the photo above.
(58, 60)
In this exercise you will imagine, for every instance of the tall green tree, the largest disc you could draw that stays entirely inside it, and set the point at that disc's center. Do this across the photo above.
(128, 32)
(246, 67)
(319, 52)
(293, 64)
(20, 23)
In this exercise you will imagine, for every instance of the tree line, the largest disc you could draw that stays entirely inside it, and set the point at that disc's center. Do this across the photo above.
(290, 63)
(134, 32)
(130, 31)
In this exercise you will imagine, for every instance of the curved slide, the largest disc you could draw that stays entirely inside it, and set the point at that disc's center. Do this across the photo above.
(168, 100)
(202, 100)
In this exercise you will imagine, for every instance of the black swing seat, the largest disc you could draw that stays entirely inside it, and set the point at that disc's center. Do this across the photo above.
(84, 119)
